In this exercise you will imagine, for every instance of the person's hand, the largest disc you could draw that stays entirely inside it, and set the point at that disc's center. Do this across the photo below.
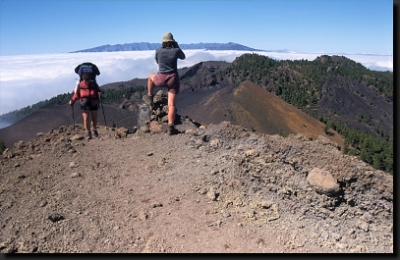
(175, 44)
(71, 102)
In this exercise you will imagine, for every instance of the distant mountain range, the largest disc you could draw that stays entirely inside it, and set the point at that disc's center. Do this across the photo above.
(145, 46)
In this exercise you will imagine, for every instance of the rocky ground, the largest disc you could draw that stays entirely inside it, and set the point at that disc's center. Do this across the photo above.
(210, 189)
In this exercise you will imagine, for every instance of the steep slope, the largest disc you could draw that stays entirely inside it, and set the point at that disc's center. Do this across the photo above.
(356, 105)
(270, 113)
(203, 76)
(252, 107)
(334, 87)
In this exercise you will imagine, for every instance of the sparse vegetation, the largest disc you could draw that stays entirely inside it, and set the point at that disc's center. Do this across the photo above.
(2, 146)
(281, 133)
(228, 114)
(113, 95)
(370, 149)
(326, 128)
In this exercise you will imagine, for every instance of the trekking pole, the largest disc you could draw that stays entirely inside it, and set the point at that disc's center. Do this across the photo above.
(73, 115)
(102, 109)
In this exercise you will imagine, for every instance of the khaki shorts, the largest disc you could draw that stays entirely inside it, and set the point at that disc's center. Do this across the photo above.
(170, 81)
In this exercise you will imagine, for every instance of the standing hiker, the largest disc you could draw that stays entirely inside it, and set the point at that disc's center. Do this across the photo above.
(88, 93)
(167, 59)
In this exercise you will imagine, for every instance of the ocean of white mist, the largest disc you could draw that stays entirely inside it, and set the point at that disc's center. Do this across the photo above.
(28, 79)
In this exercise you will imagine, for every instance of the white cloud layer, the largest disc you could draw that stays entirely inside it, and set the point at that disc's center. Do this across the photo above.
(28, 79)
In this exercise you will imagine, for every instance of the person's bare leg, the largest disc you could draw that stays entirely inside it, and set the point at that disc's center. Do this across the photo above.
(93, 113)
(171, 108)
(86, 121)
(150, 89)
(150, 84)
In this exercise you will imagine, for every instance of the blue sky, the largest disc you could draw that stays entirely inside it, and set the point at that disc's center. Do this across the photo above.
(36, 37)
(326, 26)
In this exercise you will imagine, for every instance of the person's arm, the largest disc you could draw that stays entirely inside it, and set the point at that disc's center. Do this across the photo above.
(72, 101)
(156, 55)
(181, 54)
(75, 96)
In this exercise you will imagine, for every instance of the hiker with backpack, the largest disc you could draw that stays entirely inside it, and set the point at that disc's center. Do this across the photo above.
(167, 76)
(93, 70)
(88, 92)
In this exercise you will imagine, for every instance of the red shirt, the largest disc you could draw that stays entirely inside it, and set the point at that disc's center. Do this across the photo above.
(87, 90)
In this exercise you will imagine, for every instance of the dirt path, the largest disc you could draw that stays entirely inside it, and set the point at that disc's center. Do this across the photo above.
(159, 193)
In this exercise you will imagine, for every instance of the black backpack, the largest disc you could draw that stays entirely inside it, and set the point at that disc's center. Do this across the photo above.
(89, 68)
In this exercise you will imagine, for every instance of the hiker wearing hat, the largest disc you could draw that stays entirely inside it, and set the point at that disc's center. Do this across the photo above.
(167, 59)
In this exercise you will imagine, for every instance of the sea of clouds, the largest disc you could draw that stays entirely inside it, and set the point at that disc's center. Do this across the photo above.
(28, 79)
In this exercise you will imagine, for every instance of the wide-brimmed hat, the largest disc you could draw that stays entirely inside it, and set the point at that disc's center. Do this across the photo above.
(168, 37)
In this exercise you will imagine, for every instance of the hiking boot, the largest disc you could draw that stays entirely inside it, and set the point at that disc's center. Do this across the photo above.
(88, 135)
(149, 100)
(172, 130)
(95, 133)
